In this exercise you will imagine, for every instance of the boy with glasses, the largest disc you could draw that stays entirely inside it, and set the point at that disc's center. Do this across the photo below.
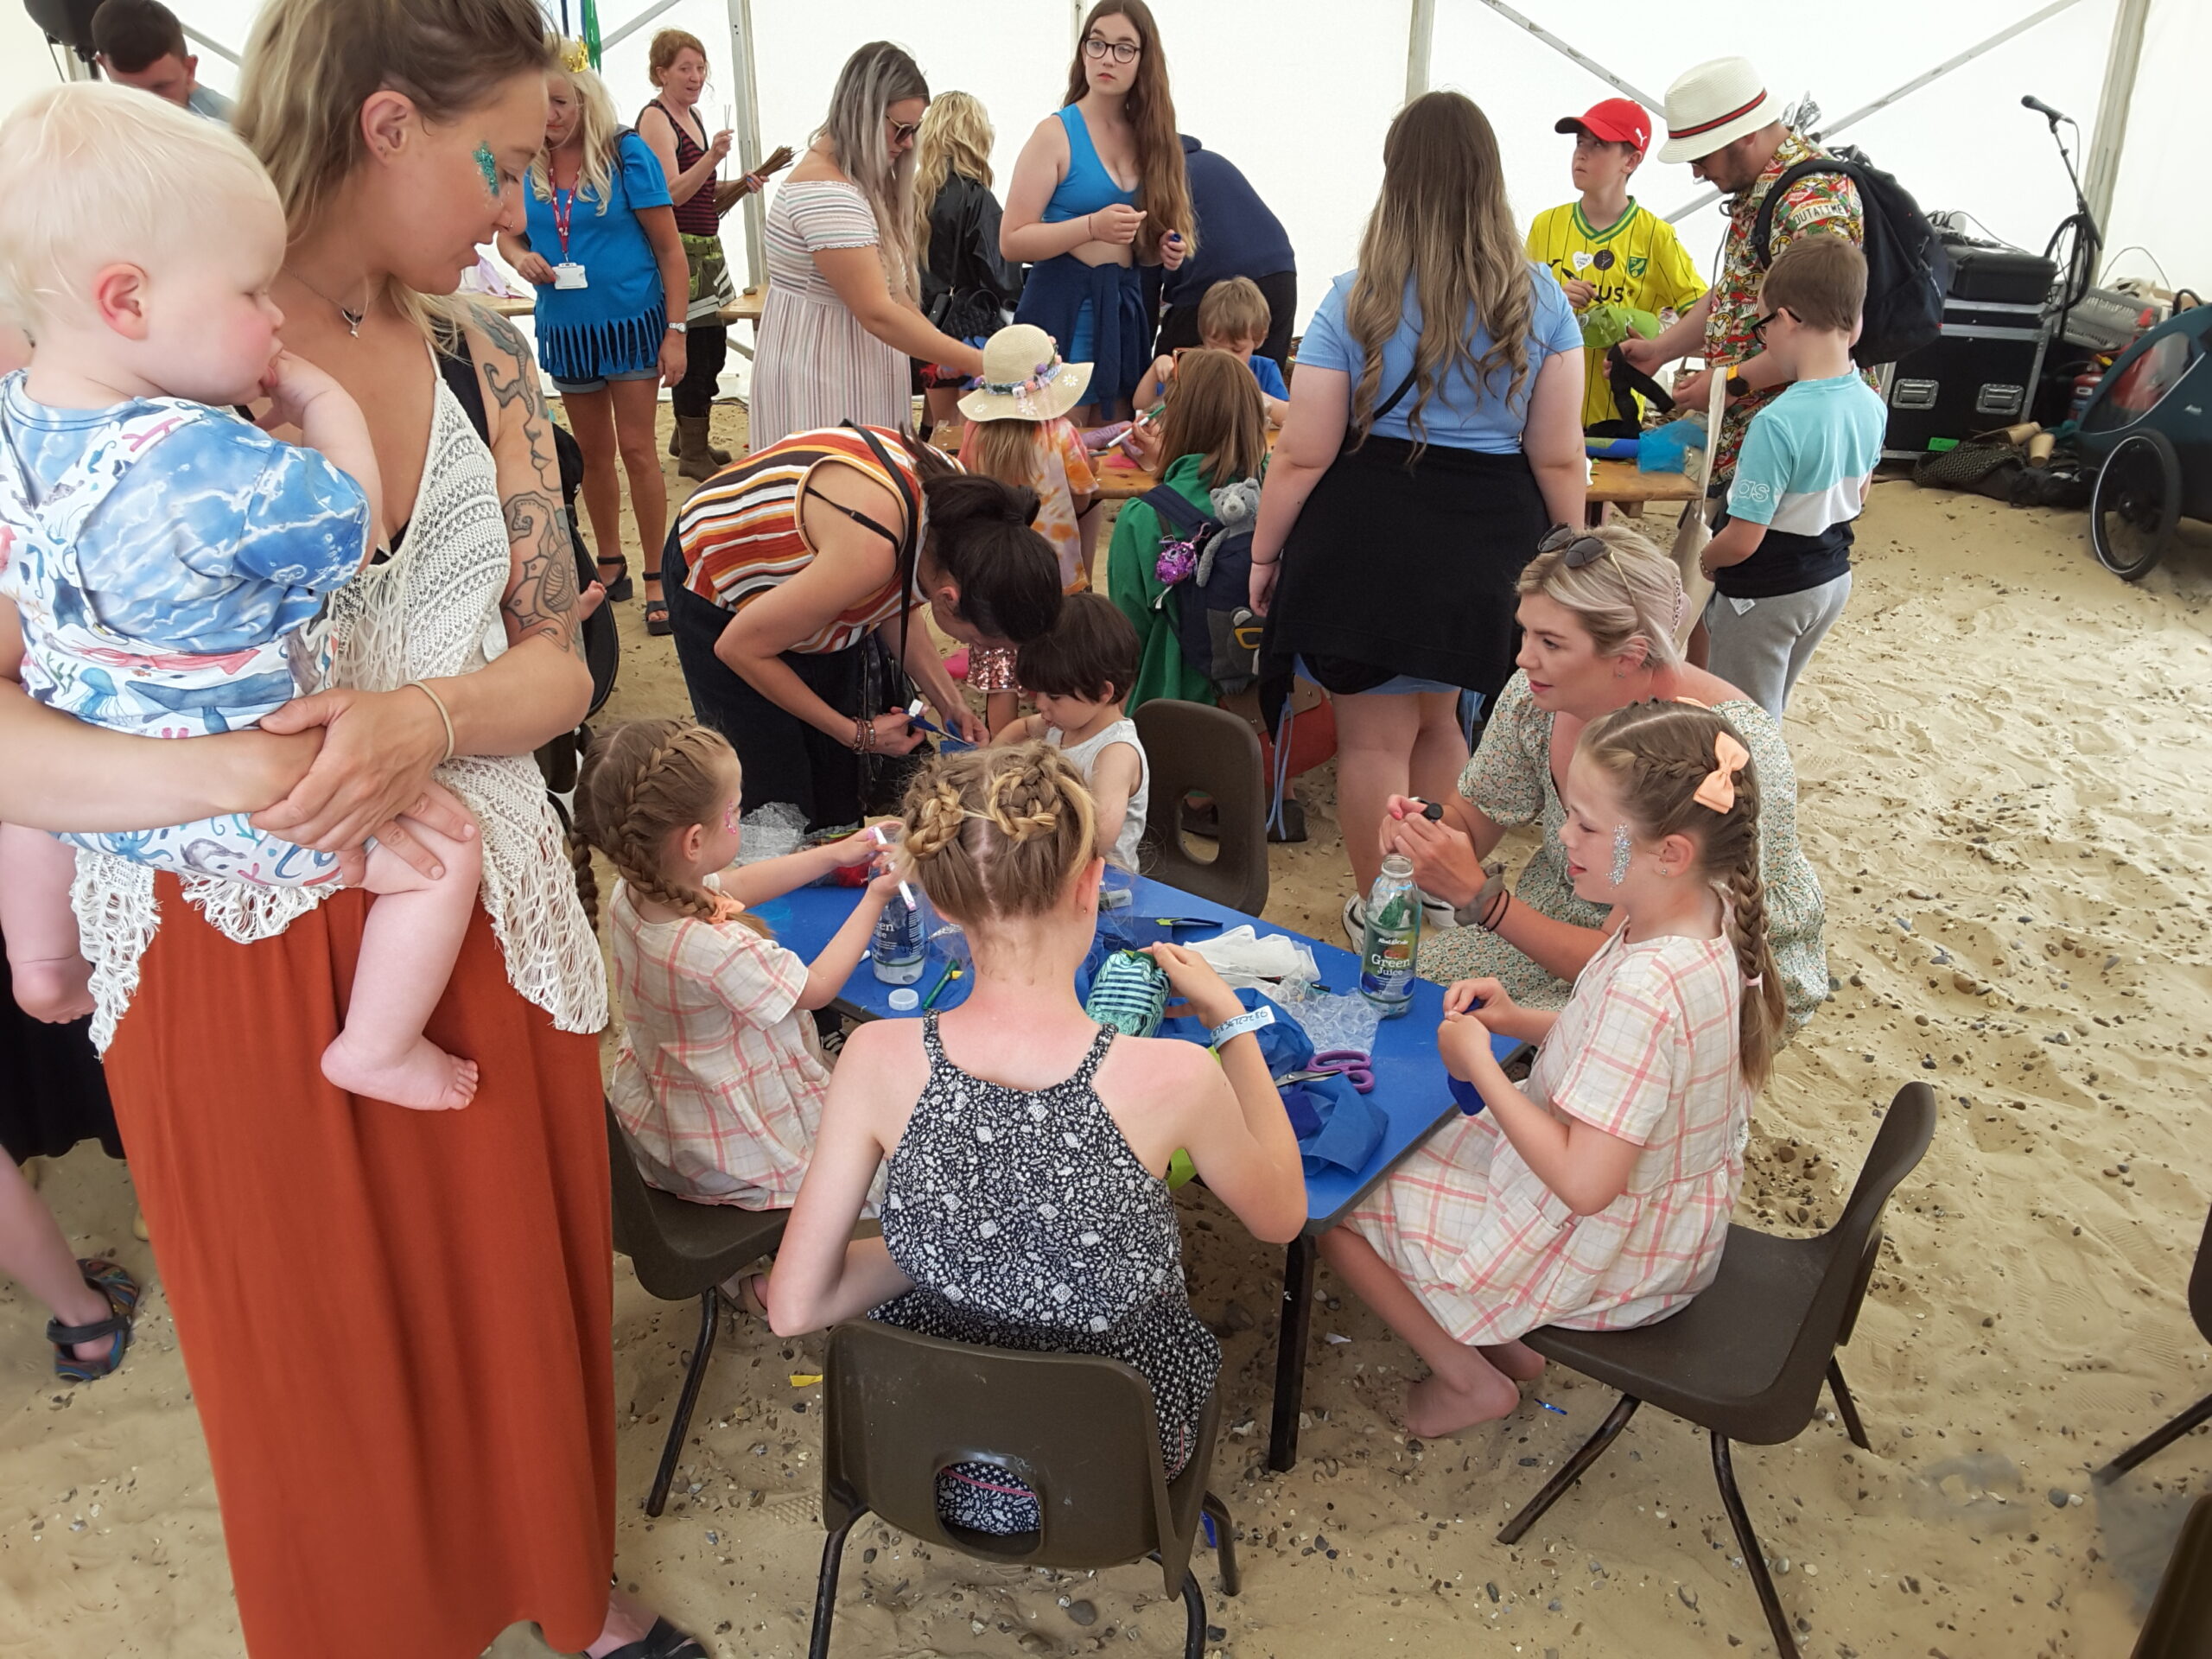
(1780, 557)
(1605, 250)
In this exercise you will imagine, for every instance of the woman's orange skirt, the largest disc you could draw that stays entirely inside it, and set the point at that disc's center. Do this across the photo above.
(397, 1324)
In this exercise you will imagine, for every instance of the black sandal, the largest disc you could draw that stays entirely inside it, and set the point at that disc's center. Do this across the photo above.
(663, 1641)
(122, 1292)
(657, 620)
(621, 587)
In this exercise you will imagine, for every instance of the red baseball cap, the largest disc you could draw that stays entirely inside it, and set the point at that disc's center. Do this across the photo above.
(1616, 120)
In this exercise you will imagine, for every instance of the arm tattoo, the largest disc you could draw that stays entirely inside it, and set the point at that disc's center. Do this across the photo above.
(541, 599)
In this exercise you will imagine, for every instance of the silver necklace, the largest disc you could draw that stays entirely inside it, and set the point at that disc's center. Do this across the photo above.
(353, 318)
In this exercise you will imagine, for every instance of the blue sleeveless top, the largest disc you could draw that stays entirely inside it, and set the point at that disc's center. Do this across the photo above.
(1088, 187)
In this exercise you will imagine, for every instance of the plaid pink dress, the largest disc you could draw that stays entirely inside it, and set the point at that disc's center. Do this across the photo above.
(1645, 1049)
(716, 1084)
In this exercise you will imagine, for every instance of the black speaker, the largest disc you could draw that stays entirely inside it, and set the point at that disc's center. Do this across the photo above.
(66, 22)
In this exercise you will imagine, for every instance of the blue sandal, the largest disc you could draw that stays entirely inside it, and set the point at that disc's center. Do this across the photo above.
(122, 1292)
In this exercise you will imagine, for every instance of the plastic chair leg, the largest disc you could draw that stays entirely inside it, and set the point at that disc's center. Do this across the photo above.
(1224, 1544)
(2152, 1445)
(1294, 1326)
(1194, 1602)
(701, 1350)
(1846, 1408)
(1778, 1622)
(1554, 1489)
(825, 1590)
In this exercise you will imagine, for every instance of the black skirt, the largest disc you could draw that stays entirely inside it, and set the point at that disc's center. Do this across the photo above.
(53, 1093)
(1410, 570)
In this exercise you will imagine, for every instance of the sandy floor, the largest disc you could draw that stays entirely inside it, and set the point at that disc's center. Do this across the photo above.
(2005, 795)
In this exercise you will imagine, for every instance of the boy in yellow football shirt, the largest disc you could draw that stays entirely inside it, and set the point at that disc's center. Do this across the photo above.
(1606, 249)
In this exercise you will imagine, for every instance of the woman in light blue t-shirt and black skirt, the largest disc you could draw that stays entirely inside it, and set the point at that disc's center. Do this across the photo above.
(1422, 463)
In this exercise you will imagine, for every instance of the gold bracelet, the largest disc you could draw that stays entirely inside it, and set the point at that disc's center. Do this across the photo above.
(438, 703)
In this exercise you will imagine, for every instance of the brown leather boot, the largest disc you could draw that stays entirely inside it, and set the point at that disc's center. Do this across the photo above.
(721, 455)
(693, 458)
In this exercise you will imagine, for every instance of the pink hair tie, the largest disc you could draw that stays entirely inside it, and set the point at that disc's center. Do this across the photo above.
(1754, 982)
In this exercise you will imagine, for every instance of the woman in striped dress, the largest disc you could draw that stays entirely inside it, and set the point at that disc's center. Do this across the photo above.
(844, 312)
(785, 568)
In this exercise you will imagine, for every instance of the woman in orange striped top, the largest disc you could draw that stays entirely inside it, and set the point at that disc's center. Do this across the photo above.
(794, 576)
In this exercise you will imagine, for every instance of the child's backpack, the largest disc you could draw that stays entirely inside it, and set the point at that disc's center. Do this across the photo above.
(1206, 569)
(1908, 272)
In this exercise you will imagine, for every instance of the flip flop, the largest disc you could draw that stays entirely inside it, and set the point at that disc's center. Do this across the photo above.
(122, 1292)
(663, 1641)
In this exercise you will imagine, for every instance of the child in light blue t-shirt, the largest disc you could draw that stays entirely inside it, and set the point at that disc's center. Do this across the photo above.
(1233, 317)
(1780, 557)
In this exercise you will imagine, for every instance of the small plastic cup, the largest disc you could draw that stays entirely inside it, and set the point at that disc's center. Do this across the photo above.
(904, 999)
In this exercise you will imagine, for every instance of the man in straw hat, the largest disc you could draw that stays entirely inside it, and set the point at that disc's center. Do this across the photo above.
(1724, 122)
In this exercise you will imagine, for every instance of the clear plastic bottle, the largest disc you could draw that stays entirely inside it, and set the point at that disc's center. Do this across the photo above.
(901, 943)
(1392, 939)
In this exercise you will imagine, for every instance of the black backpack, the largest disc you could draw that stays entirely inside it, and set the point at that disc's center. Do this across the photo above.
(1908, 271)
(1215, 628)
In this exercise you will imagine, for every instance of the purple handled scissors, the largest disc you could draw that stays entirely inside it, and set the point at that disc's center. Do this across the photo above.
(1352, 1064)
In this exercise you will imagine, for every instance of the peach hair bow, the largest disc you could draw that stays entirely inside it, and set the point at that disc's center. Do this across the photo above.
(1718, 791)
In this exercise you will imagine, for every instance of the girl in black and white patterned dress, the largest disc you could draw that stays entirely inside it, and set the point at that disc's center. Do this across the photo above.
(1026, 1205)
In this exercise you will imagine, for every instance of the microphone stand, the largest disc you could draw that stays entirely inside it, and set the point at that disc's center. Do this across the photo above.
(2079, 230)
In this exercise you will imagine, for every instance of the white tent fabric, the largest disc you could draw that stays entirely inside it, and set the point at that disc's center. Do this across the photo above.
(1297, 93)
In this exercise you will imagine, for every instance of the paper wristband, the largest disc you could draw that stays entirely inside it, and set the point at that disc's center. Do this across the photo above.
(1251, 1019)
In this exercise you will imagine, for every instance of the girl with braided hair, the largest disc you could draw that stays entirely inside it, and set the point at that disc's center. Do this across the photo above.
(1026, 1149)
(719, 1083)
(1598, 1197)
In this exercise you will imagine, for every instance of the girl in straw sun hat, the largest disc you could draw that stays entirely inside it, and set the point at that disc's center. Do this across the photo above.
(1018, 432)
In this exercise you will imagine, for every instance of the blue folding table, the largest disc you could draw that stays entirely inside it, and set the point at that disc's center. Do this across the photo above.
(1410, 1086)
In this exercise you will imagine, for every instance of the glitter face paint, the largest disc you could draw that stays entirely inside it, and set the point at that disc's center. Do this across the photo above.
(488, 165)
(1620, 853)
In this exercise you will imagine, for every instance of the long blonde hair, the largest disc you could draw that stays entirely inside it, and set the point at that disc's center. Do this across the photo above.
(955, 139)
(599, 131)
(1163, 183)
(1007, 449)
(642, 783)
(874, 78)
(997, 834)
(311, 64)
(1443, 226)
(1657, 753)
(1633, 592)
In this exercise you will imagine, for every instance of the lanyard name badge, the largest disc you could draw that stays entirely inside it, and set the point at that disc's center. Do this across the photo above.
(568, 273)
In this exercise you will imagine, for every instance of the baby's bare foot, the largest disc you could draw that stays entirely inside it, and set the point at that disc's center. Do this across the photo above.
(1434, 1407)
(423, 1075)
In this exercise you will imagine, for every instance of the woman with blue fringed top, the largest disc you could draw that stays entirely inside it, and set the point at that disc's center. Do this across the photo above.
(1100, 202)
(601, 247)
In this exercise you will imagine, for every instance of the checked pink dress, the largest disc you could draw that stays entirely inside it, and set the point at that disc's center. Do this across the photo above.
(1645, 1049)
(717, 1084)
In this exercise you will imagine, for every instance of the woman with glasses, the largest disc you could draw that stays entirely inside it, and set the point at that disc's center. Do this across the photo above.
(1435, 431)
(1099, 192)
(1599, 613)
(843, 310)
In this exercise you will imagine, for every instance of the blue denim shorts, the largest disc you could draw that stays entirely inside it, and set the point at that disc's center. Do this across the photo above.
(1400, 685)
(585, 387)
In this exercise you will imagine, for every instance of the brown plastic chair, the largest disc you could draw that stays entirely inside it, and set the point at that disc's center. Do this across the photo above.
(2180, 1622)
(1745, 1359)
(682, 1249)
(1079, 1429)
(1194, 749)
(2200, 1309)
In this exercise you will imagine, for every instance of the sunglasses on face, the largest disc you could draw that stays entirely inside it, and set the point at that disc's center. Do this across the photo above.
(901, 132)
(1097, 48)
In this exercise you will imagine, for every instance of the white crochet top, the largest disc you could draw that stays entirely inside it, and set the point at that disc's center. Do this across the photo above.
(429, 610)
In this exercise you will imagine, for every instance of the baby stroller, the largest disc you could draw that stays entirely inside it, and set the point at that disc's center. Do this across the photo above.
(2148, 431)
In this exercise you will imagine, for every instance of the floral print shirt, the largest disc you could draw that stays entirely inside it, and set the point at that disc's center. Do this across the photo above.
(1823, 202)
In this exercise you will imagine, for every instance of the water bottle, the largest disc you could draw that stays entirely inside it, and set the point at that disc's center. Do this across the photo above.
(901, 943)
(1392, 938)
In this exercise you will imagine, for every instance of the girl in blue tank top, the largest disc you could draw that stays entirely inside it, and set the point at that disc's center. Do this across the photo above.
(1096, 247)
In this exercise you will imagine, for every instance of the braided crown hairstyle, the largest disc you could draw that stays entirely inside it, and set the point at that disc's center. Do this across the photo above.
(1657, 753)
(999, 833)
(642, 783)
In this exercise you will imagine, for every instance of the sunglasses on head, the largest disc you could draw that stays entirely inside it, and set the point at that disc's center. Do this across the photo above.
(1579, 548)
